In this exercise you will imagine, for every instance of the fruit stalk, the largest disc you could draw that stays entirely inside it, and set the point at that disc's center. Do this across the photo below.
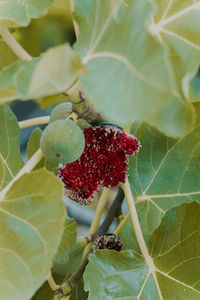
(98, 214)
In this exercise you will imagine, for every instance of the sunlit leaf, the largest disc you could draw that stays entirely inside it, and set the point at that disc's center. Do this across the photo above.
(130, 75)
(52, 73)
(31, 226)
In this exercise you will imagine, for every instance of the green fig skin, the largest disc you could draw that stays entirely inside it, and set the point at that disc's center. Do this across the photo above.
(62, 141)
(61, 111)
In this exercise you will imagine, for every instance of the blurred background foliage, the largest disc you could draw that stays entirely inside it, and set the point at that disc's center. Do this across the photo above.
(51, 30)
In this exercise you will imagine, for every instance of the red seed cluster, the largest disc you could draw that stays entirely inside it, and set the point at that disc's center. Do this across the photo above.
(103, 163)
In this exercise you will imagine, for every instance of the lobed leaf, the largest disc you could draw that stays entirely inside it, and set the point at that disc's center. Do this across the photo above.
(173, 272)
(31, 226)
(177, 24)
(130, 74)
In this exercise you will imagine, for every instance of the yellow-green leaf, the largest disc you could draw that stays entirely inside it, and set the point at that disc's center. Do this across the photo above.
(10, 156)
(31, 224)
(51, 74)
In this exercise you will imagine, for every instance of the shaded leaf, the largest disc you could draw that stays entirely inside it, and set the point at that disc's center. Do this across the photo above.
(44, 293)
(33, 145)
(10, 156)
(31, 222)
(68, 240)
(74, 255)
(132, 75)
(78, 292)
(6, 55)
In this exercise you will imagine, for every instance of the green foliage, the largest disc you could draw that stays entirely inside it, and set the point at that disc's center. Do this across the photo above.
(32, 217)
(175, 271)
(62, 141)
(120, 275)
(10, 157)
(136, 60)
(68, 240)
(164, 174)
(19, 13)
(71, 259)
(6, 55)
(134, 76)
(170, 26)
(33, 145)
(61, 111)
(52, 73)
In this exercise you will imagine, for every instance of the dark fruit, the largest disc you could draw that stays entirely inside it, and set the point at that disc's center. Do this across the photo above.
(103, 163)
(108, 241)
(61, 111)
(62, 141)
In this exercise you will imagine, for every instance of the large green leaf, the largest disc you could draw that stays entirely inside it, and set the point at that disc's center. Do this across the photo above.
(171, 272)
(19, 13)
(33, 145)
(10, 157)
(31, 224)
(130, 75)
(52, 73)
(177, 25)
(112, 275)
(164, 173)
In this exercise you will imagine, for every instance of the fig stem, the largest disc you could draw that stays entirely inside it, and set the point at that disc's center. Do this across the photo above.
(33, 122)
(122, 224)
(138, 232)
(52, 283)
(14, 45)
(98, 214)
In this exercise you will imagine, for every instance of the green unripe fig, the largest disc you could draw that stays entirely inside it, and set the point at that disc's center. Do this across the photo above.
(62, 141)
(61, 111)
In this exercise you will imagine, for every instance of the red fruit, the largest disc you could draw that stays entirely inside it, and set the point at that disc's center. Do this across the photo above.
(103, 163)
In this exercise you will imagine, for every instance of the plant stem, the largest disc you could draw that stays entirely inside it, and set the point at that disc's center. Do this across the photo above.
(134, 218)
(98, 214)
(52, 283)
(122, 224)
(33, 122)
(14, 45)
(138, 231)
(31, 163)
(76, 28)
